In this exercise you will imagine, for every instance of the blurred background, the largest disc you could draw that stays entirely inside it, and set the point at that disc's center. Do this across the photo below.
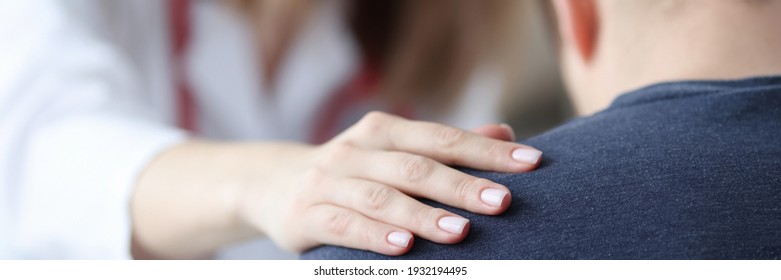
(435, 55)
(91, 90)
(540, 102)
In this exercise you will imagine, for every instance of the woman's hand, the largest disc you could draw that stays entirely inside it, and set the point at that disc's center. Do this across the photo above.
(356, 190)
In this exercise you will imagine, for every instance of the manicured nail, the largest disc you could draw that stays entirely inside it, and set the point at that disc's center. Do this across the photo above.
(493, 197)
(400, 239)
(510, 129)
(527, 155)
(453, 224)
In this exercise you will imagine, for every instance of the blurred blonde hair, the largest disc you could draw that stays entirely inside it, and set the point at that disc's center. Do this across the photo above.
(426, 50)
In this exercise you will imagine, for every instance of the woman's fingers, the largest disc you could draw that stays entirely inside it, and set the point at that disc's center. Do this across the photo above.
(368, 174)
(424, 177)
(330, 224)
(388, 205)
(442, 143)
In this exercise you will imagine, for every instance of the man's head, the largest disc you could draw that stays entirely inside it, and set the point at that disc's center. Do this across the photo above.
(611, 46)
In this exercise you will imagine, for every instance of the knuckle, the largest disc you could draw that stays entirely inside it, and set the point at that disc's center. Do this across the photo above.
(464, 188)
(368, 236)
(420, 217)
(339, 223)
(373, 121)
(375, 115)
(497, 149)
(448, 137)
(424, 219)
(379, 197)
(416, 168)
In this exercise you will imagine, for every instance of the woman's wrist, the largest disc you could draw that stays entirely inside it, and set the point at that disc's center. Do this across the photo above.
(187, 203)
(269, 169)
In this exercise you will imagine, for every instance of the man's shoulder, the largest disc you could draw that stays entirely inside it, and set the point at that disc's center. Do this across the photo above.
(693, 177)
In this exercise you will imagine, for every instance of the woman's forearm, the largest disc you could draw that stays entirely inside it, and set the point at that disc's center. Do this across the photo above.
(185, 204)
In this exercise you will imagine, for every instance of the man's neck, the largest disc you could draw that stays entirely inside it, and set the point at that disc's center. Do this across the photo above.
(705, 46)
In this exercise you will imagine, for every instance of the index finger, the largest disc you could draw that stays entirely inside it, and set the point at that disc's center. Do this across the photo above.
(448, 145)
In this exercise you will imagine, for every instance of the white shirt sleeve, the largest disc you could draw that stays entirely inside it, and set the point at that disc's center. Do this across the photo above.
(75, 132)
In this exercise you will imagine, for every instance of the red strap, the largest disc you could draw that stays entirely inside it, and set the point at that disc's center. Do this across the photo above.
(179, 15)
(357, 90)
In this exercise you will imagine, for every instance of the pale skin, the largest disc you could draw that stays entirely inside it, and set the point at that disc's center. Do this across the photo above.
(609, 47)
(355, 191)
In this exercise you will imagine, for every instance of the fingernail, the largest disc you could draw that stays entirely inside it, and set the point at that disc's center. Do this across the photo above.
(453, 224)
(493, 197)
(527, 155)
(400, 239)
(510, 129)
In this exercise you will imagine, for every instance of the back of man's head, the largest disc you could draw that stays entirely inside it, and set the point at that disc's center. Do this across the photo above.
(611, 46)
